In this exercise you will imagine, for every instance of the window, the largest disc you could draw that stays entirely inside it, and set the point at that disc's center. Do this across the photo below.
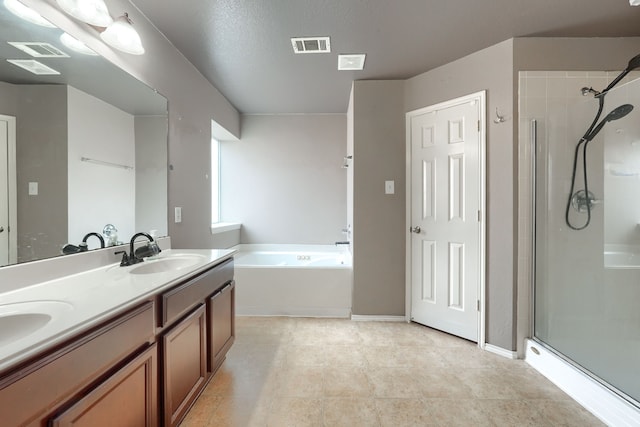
(215, 181)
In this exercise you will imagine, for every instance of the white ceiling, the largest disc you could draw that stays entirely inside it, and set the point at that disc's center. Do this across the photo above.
(243, 46)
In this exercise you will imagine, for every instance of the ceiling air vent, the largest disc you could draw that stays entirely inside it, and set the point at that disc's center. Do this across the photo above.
(311, 44)
(39, 49)
(33, 66)
(351, 62)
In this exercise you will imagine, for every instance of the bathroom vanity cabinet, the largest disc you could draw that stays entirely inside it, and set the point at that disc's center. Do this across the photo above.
(144, 366)
(189, 318)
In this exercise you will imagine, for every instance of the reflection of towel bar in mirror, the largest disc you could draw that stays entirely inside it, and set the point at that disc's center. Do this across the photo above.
(102, 162)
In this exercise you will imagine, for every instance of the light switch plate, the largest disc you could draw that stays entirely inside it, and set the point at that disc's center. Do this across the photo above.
(389, 187)
(33, 188)
(178, 214)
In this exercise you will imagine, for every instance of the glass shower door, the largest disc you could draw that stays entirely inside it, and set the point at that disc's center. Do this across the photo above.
(587, 259)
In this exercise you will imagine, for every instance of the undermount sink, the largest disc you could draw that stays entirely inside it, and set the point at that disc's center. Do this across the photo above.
(19, 320)
(163, 265)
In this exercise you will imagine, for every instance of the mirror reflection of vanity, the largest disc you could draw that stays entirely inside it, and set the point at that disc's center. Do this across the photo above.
(90, 147)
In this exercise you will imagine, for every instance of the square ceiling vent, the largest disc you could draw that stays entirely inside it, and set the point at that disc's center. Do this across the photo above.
(351, 62)
(39, 49)
(311, 44)
(34, 67)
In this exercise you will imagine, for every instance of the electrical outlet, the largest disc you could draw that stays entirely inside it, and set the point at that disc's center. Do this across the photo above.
(33, 188)
(178, 214)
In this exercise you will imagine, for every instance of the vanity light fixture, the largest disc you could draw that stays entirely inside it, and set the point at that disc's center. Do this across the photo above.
(122, 36)
(26, 13)
(76, 45)
(93, 12)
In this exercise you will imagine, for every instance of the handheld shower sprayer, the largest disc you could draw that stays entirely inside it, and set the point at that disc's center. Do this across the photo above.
(592, 131)
(615, 114)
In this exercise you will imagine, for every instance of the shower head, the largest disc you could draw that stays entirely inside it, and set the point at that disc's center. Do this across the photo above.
(615, 114)
(632, 65)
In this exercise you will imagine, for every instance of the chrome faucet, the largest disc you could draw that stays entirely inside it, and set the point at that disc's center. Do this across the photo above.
(136, 256)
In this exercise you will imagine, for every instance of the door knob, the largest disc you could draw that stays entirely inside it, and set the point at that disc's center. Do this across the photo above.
(1, 229)
(415, 229)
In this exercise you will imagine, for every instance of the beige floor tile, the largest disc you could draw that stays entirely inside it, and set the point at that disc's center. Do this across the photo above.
(350, 412)
(395, 383)
(347, 381)
(566, 413)
(404, 412)
(305, 355)
(299, 412)
(513, 413)
(468, 357)
(344, 355)
(302, 371)
(300, 381)
(457, 413)
(445, 385)
(239, 412)
(202, 410)
(487, 383)
(529, 384)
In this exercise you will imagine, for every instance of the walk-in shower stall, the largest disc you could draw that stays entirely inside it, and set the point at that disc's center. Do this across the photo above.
(585, 220)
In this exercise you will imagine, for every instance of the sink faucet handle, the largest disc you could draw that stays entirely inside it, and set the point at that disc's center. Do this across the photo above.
(125, 258)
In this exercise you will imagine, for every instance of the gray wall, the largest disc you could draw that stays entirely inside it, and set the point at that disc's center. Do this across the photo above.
(491, 70)
(193, 103)
(284, 179)
(378, 218)
(151, 173)
(41, 156)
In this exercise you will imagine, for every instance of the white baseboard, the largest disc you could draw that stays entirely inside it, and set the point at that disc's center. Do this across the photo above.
(610, 408)
(501, 351)
(293, 312)
(366, 318)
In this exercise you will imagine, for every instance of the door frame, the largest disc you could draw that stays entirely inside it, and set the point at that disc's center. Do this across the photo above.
(12, 190)
(482, 151)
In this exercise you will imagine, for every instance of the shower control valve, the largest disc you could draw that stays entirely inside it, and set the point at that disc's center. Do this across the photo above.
(579, 201)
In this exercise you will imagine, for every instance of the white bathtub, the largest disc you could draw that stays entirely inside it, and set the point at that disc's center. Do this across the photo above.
(293, 280)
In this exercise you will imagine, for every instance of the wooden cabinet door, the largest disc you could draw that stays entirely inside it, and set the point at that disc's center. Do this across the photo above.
(221, 325)
(127, 398)
(184, 365)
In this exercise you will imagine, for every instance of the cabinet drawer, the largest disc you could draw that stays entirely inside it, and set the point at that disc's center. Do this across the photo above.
(181, 299)
(57, 377)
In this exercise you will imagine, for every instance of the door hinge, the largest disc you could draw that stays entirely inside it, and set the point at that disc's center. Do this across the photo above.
(478, 125)
(479, 216)
(477, 305)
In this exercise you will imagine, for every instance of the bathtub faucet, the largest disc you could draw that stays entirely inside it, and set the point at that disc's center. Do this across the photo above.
(343, 243)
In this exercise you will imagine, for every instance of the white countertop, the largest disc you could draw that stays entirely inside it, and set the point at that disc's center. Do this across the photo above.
(79, 301)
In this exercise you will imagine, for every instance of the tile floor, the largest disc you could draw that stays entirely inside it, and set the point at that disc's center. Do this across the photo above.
(333, 372)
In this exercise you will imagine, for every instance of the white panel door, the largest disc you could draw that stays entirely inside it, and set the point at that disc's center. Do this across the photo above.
(446, 198)
(8, 210)
(4, 192)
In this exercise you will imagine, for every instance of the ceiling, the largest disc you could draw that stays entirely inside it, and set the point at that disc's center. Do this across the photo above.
(243, 46)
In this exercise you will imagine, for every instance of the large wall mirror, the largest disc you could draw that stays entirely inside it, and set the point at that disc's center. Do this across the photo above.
(78, 150)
